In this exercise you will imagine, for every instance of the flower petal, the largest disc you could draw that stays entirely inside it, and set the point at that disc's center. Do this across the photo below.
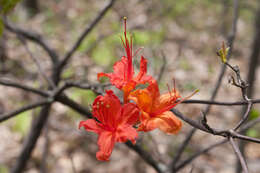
(106, 108)
(106, 142)
(166, 122)
(142, 98)
(126, 132)
(130, 114)
(153, 89)
(91, 125)
(168, 100)
(142, 78)
(119, 76)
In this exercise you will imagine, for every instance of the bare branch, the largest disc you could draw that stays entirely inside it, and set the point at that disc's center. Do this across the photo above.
(31, 139)
(223, 69)
(219, 103)
(248, 125)
(6, 116)
(239, 155)
(36, 61)
(181, 149)
(194, 156)
(34, 37)
(245, 116)
(9, 83)
(162, 69)
(145, 156)
(230, 41)
(85, 33)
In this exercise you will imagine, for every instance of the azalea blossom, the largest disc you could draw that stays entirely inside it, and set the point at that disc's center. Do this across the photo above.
(123, 76)
(155, 109)
(113, 123)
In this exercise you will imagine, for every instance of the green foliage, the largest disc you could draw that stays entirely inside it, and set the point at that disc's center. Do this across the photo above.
(22, 122)
(252, 133)
(86, 97)
(1, 26)
(7, 5)
(178, 7)
(184, 64)
(142, 38)
(3, 169)
(87, 43)
(189, 86)
(253, 114)
(69, 72)
(103, 55)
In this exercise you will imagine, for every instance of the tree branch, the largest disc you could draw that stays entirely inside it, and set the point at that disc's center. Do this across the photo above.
(34, 37)
(9, 83)
(239, 155)
(6, 116)
(85, 33)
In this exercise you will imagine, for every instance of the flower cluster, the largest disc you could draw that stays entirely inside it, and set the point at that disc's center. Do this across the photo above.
(145, 109)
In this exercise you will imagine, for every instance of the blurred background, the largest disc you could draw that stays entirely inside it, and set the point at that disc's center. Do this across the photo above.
(181, 35)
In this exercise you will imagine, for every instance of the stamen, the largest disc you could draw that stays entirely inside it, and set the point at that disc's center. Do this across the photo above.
(131, 45)
(136, 52)
(125, 23)
(169, 90)
(174, 84)
(187, 97)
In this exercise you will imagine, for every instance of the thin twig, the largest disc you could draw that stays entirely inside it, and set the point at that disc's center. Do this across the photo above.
(85, 33)
(230, 39)
(36, 61)
(194, 156)
(224, 133)
(182, 148)
(31, 139)
(239, 155)
(9, 83)
(244, 117)
(220, 103)
(162, 69)
(34, 37)
(43, 168)
(6, 116)
(145, 156)
(248, 125)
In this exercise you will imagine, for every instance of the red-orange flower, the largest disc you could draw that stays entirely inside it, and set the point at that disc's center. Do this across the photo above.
(155, 109)
(123, 76)
(113, 123)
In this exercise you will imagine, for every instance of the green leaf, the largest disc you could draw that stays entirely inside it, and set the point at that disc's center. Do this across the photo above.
(252, 133)
(253, 114)
(22, 122)
(3, 169)
(141, 38)
(103, 55)
(223, 52)
(86, 97)
(7, 5)
(1, 26)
